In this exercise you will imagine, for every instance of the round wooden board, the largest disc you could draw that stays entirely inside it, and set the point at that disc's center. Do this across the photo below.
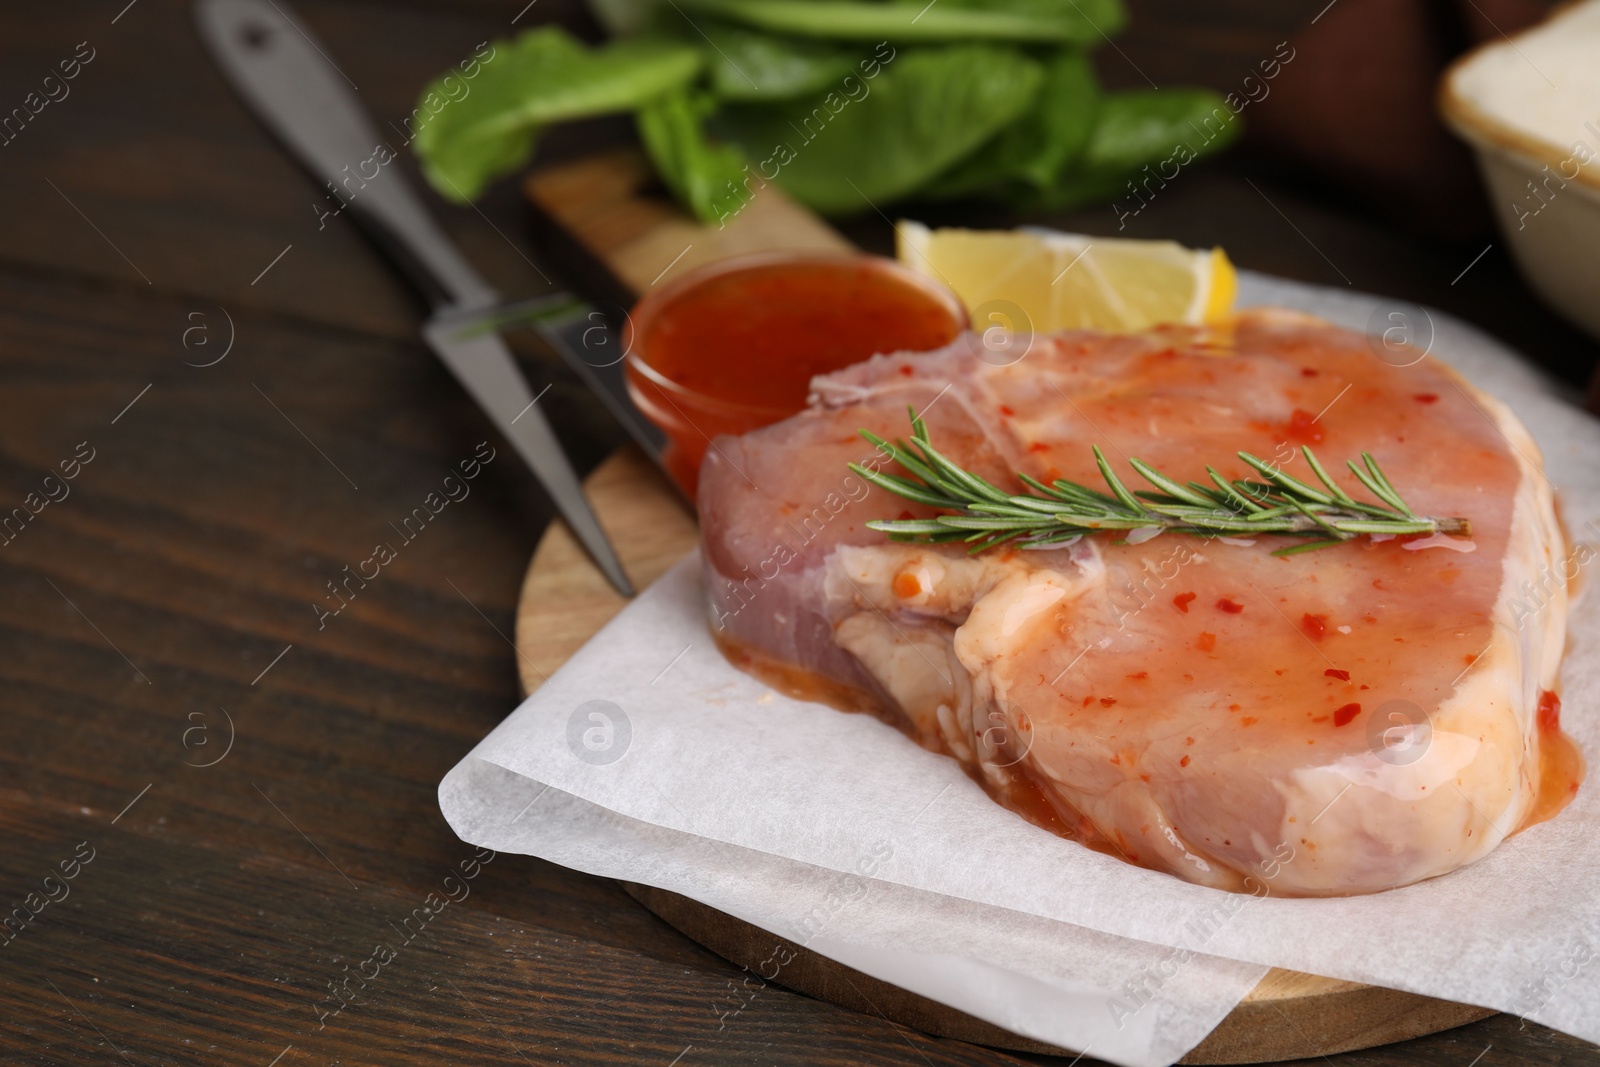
(565, 601)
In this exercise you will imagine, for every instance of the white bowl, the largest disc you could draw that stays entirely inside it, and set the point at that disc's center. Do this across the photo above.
(1545, 194)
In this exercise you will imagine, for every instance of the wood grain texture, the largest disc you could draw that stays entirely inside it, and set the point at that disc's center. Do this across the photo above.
(192, 548)
(565, 600)
(613, 206)
(1286, 1015)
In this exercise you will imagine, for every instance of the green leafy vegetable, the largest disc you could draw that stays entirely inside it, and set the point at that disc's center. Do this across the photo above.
(848, 104)
(874, 141)
(747, 65)
(708, 177)
(469, 137)
(1037, 148)
(1163, 129)
(1031, 21)
(622, 17)
(1140, 127)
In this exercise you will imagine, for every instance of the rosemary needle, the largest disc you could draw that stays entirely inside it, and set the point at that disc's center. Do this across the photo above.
(1051, 516)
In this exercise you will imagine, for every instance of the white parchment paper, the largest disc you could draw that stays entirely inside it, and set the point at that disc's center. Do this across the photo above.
(836, 832)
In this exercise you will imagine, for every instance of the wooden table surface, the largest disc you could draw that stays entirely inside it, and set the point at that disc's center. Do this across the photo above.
(256, 792)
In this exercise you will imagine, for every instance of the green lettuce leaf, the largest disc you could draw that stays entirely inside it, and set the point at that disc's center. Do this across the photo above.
(1165, 130)
(474, 130)
(707, 177)
(875, 140)
(1030, 21)
(622, 17)
(746, 64)
(1037, 148)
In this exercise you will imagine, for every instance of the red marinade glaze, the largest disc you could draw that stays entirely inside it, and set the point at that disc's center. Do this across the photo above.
(1240, 719)
(731, 350)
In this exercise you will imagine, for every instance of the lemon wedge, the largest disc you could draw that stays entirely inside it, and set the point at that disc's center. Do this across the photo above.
(1062, 281)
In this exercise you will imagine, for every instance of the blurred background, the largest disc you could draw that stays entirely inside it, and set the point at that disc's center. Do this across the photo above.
(1343, 151)
(248, 374)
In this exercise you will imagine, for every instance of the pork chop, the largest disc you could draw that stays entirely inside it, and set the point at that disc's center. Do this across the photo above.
(1338, 721)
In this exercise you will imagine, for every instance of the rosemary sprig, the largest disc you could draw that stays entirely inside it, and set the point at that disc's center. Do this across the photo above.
(1050, 516)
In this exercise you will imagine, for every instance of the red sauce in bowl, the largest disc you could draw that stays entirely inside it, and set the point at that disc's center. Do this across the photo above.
(733, 346)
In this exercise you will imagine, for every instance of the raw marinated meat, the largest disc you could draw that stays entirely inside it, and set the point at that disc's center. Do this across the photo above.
(1338, 721)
